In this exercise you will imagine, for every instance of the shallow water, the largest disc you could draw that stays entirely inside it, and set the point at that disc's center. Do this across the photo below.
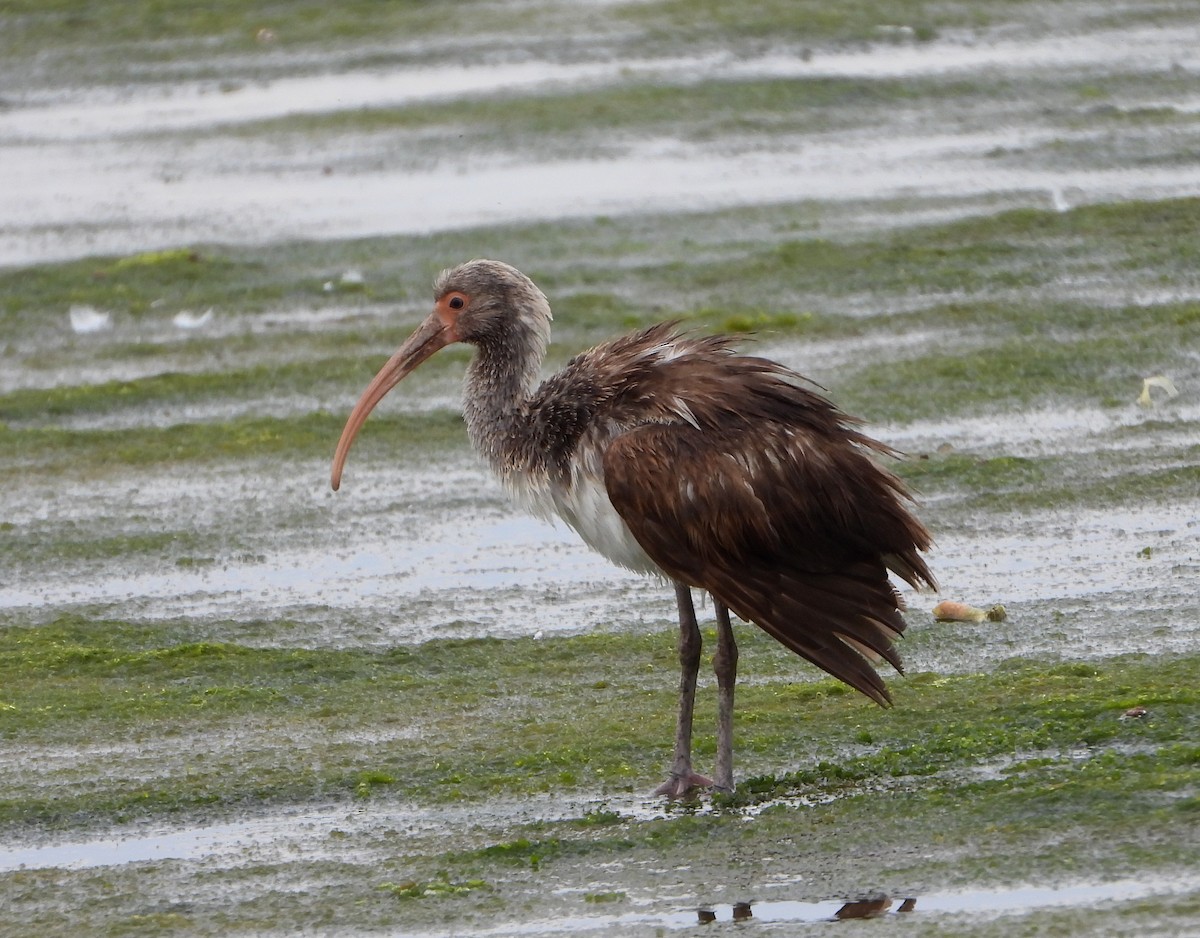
(101, 113)
(145, 179)
(267, 837)
(244, 842)
(1046, 431)
(401, 556)
(333, 832)
(975, 903)
(405, 554)
(119, 205)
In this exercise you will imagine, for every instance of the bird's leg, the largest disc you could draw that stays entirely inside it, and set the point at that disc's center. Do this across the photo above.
(683, 779)
(725, 665)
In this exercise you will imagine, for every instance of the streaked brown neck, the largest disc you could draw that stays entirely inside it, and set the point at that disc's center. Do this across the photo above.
(499, 382)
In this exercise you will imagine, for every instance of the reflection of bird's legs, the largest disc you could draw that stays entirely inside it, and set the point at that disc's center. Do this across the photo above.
(725, 665)
(682, 777)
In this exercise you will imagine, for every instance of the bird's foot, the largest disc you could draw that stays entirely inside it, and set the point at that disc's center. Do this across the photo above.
(683, 784)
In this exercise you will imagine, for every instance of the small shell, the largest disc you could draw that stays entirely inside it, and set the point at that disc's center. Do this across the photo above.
(1163, 383)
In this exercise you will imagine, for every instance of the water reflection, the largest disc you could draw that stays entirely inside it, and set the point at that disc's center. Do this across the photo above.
(867, 907)
(990, 901)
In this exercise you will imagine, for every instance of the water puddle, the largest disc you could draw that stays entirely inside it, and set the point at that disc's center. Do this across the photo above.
(1045, 431)
(194, 844)
(982, 901)
(338, 832)
(317, 832)
(63, 200)
(397, 556)
(461, 577)
(105, 113)
(403, 555)
(121, 206)
(978, 902)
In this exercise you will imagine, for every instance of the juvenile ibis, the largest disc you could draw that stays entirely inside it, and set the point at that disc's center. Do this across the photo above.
(672, 454)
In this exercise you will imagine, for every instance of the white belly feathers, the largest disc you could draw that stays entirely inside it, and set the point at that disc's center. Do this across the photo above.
(585, 506)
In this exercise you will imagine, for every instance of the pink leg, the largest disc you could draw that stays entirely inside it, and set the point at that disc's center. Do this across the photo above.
(683, 779)
(725, 665)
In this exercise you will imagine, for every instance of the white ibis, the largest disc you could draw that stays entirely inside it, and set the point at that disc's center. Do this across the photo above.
(674, 455)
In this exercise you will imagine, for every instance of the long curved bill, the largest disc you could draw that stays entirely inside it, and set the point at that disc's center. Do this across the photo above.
(430, 336)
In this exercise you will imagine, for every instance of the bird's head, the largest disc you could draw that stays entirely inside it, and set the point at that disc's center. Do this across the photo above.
(488, 304)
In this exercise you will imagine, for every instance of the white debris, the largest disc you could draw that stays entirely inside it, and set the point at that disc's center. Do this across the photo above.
(1163, 383)
(88, 319)
(186, 319)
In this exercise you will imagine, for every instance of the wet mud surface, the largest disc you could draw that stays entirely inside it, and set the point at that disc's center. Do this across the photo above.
(1092, 565)
(134, 169)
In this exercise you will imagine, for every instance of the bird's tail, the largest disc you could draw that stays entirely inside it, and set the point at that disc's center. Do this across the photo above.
(842, 622)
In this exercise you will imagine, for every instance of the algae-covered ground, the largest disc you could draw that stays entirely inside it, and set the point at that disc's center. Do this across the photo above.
(234, 703)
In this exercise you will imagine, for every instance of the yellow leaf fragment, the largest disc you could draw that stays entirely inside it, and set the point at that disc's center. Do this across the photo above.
(948, 611)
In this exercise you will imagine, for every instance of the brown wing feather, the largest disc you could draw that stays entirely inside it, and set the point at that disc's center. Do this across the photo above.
(775, 507)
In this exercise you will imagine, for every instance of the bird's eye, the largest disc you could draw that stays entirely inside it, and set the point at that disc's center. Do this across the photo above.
(456, 302)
